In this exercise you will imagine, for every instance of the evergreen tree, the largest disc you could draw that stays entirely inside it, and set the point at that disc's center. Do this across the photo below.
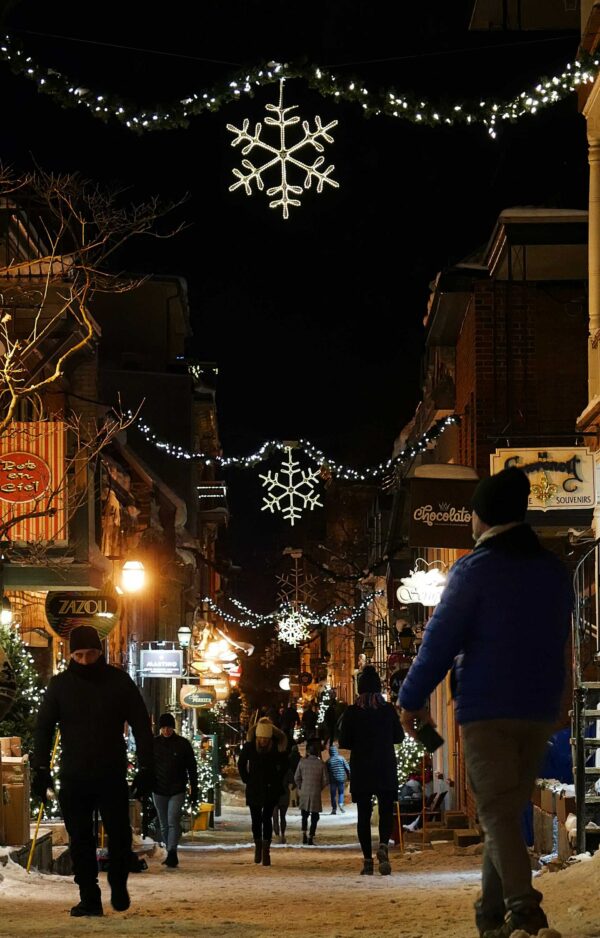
(21, 718)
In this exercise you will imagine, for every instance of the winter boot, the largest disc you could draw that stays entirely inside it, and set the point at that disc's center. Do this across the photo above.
(258, 849)
(486, 920)
(383, 859)
(367, 869)
(341, 807)
(119, 897)
(530, 920)
(172, 859)
(266, 853)
(333, 811)
(91, 902)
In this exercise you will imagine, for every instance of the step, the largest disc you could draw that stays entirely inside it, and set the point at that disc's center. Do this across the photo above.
(589, 742)
(438, 833)
(591, 685)
(464, 838)
(592, 799)
(456, 820)
(592, 770)
(592, 713)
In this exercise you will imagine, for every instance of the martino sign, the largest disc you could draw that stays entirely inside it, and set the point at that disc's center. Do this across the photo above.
(159, 662)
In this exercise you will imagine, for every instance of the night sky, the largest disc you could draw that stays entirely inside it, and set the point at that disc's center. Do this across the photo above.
(316, 323)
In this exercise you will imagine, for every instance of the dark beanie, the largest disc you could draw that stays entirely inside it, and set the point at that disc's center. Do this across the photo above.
(369, 681)
(502, 498)
(166, 719)
(83, 637)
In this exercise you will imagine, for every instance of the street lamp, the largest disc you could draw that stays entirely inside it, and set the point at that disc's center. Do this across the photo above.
(5, 611)
(184, 636)
(406, 638)
(285, 682)
(133, 576)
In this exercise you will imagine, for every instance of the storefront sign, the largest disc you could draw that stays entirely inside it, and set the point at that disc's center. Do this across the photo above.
(156, 662)
(195, 698)
(65, 611)
(440, 512)
(561, 478)
(32, 481)
(422, 586)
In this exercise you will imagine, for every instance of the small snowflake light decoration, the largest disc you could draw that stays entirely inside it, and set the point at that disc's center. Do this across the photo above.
(293, 628)
(285, 155)
(297, 493)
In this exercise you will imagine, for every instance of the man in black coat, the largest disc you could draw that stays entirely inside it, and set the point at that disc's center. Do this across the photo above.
(90, 703)
(174, 766)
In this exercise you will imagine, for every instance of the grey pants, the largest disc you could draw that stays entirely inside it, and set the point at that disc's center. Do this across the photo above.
(503, 759)
(168, 808)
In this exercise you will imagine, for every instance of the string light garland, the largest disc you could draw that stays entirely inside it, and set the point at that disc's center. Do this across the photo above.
(106, 106)
(314, 620)
(314, 454)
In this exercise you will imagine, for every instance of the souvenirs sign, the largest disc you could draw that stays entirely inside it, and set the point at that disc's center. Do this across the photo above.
(561, 478)
(65, 611)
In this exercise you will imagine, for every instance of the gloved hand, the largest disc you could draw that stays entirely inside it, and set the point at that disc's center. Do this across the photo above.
(40, 783)
(142, 784)
(194, 795)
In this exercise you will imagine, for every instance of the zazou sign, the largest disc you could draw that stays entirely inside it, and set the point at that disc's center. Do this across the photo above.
(422, 586)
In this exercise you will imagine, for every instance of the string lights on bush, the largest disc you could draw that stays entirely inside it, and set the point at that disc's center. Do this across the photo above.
(106, 106)
(327, 465)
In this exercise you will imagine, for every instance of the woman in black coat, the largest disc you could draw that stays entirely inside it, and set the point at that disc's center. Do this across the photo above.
(369, 728)
(262, 765)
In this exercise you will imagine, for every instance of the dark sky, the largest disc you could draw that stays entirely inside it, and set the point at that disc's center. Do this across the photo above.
(315, 322)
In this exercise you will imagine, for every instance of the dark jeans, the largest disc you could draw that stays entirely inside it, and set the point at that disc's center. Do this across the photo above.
(364, 804)
(262, 821)
(78, 799)
(503, 759)
(314, 820)
(279, 819)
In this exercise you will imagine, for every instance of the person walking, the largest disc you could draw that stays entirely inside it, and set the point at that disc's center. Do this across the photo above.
(289, 719)
(280, 810)
(262, 766)
(174, 767)
(502, 624)
(338, 770)
(309, 721)
(370, 728)
(311, 778)
(90, 702)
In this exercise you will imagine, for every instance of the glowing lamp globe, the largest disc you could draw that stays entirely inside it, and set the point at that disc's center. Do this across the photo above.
(133, 576)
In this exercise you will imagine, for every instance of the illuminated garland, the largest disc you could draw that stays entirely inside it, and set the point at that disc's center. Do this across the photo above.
(388, 103)
(324, 701)
(314, 620)
(317, 456)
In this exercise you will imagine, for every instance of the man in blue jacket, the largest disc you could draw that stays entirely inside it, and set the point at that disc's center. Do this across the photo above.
(502, 625)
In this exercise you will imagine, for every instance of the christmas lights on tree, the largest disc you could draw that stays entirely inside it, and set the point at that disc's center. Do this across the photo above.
(21, 718)
(407, 106)
(284, 156)
(409, 759)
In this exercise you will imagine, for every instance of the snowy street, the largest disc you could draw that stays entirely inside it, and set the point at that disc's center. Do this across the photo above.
(217, 890)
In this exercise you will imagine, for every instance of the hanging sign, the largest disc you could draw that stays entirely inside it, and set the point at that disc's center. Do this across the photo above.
(33, 482)
(65, 611)
(422, 586)
(195, 698)
(305, 678)
(440, 512)
(561, 478)
(159, 662)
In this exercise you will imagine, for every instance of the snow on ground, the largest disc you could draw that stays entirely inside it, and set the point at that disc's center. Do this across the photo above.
(308, 891)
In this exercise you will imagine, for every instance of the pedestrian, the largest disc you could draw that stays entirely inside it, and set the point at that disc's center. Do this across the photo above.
(309, 721)
(262, 766)
(280, 810)
(174, 768)
(338, 770)
(311, 778)
(370, 728)
(330, 718)
(90, 702)
(289, 722)
(502, 624)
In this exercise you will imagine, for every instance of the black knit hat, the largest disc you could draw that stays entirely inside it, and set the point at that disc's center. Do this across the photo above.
(369, 681)
(166, 719)
(83, 637)
(502, 498)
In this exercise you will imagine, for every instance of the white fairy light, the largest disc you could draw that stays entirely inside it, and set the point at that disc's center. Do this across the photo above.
(283, 156)
(293, 629)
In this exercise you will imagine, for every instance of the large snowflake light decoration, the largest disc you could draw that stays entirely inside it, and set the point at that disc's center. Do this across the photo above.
(297, 493)
(284, 155)
(293, 628)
